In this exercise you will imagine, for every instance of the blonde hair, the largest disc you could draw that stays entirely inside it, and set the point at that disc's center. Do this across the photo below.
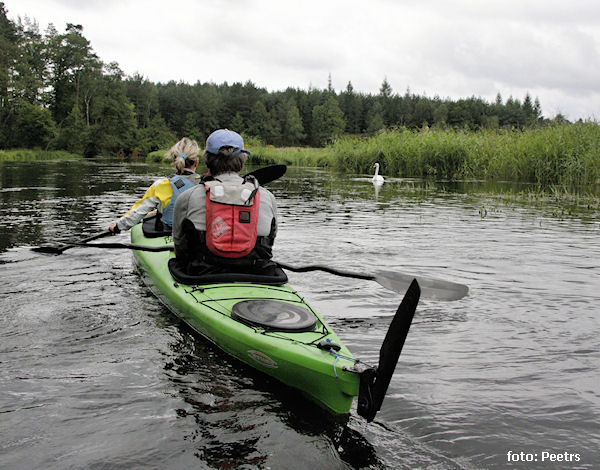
(184, 154)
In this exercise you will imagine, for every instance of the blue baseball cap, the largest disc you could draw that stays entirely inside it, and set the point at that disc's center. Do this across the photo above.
(225, 138)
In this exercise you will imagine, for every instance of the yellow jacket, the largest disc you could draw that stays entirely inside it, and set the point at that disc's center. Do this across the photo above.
(156, 197)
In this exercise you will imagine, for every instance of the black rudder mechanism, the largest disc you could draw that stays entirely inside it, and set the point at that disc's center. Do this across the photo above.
(374, 382)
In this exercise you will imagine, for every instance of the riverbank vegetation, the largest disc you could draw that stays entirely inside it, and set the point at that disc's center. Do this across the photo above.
(27, 155)
(561, 154)
(565, 154)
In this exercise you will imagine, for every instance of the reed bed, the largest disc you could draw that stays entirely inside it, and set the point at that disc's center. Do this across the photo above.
(25, 155)
(567, 154)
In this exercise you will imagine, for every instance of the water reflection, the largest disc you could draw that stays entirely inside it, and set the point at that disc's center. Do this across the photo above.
(53, 201)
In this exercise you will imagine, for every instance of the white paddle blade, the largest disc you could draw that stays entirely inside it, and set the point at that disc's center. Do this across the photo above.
(436, 289)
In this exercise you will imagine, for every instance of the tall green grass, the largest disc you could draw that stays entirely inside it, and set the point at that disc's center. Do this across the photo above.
(24, 155)
(567, 154)
(301, 156)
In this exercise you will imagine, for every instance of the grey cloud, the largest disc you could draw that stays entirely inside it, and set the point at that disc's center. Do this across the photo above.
(521, 56)
(274, 49)
(579, 12)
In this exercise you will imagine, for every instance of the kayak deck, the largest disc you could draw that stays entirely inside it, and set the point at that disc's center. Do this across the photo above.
(327, 377)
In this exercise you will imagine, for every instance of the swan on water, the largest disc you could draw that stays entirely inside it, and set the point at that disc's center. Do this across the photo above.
(377, 178)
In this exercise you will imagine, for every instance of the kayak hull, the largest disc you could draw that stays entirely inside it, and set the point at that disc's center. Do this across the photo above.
(330, 379)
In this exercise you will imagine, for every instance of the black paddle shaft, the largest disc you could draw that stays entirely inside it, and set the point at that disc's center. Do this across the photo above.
(128, 246)
(327, 269)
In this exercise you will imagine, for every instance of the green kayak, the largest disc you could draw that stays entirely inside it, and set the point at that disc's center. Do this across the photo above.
(274, 330)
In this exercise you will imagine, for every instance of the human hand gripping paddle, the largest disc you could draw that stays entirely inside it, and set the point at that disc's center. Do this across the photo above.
(263, 176)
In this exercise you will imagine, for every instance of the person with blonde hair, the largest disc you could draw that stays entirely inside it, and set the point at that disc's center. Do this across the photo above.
(163, 193)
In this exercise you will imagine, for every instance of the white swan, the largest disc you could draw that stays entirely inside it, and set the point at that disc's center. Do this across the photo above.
(377, 178)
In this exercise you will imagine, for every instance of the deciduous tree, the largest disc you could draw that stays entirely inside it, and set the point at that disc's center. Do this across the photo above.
(327, 121)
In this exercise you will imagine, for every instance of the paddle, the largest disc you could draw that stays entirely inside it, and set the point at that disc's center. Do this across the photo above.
(431, 288)
(269, 173)
(57, 250)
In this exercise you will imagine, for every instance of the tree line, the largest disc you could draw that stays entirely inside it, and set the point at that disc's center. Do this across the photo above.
(55, 93)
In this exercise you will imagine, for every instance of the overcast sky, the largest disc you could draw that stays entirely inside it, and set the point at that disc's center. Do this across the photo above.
(452, 49)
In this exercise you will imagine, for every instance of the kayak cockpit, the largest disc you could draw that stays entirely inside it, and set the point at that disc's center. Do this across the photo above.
(262, 273)
(269, 274)
(152, 227)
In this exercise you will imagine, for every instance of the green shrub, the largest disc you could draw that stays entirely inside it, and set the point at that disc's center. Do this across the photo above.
(158, 156)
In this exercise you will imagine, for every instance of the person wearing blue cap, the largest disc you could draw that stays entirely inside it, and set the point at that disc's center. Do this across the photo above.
(226, 219)
(163, 193)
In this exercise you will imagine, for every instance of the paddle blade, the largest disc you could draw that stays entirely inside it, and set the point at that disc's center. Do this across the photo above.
(374, 383)
(269, 173)
(436, 289)
(54, 250)
(57, 250)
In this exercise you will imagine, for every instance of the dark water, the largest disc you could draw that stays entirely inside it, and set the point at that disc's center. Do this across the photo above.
(95, 373)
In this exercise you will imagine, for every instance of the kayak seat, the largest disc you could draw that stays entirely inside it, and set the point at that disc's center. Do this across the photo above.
(154, 228)
(197, 273)
(274, 315)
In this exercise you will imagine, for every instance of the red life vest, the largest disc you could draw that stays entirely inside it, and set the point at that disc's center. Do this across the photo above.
(231, 218)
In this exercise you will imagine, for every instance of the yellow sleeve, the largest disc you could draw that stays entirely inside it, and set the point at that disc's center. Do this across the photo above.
(160, 190)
